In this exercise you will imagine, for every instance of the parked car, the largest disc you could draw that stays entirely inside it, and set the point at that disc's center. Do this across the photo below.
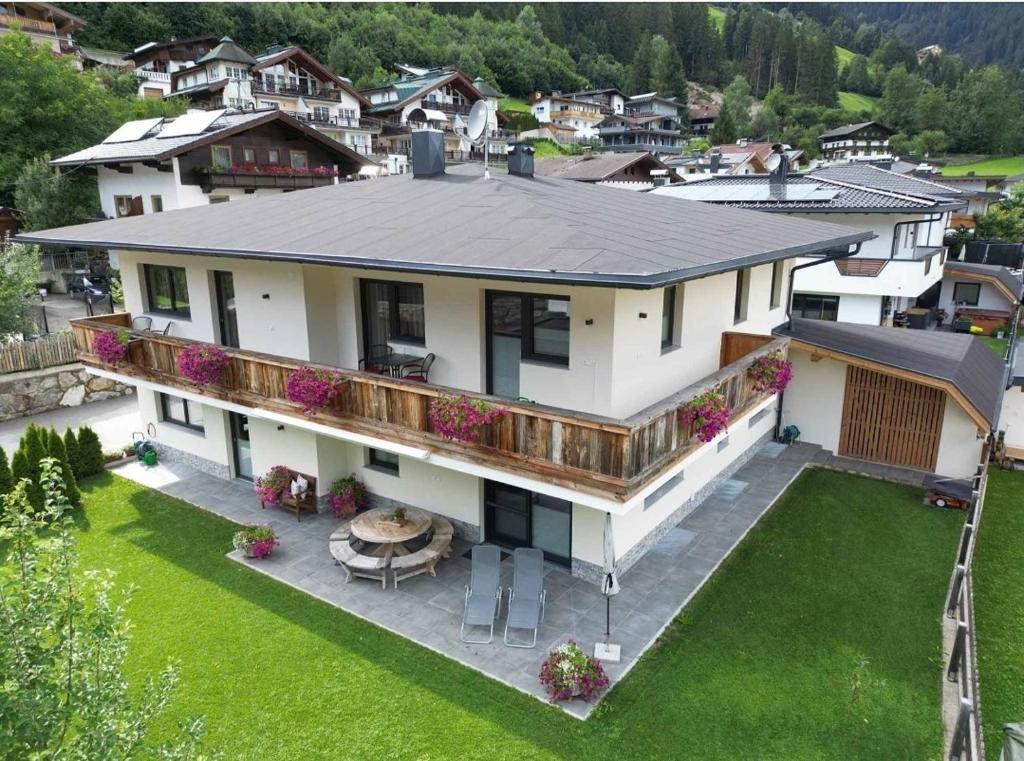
(89, 285)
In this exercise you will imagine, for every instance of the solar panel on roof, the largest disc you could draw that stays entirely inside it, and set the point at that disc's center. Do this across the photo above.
(131, 131)
(193, 123)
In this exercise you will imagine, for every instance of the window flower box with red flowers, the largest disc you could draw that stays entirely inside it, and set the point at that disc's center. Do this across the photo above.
(708, 414)
(203, 364)
(771, 373)
(315, 390)
(459, 418)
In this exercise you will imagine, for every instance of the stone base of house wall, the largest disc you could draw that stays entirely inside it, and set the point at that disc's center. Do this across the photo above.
(172, 454)
(595, 573)
(463, 530)
(34, 391)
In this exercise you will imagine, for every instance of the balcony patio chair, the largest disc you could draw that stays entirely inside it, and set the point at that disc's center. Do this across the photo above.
(526, 595)
(419, 371)
(483, 593)
(376, 359)
(142, 322)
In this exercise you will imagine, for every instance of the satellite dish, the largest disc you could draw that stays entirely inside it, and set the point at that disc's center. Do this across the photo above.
(773, 162)
(477, 125)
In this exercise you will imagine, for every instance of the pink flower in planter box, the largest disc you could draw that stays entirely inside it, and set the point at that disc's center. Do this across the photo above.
(111, 346)
(313, 389)
(203, 364)
(771, 373)
(459, 418)
(708, 412)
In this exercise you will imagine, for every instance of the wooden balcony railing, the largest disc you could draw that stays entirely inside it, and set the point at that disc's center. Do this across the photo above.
(609, 457)
(27, 25)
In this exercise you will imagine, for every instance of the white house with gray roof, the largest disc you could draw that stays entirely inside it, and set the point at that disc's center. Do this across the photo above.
(206, 157)
(887, 275)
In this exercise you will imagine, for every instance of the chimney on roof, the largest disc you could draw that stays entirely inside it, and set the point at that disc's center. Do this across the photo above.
(778, 167)
(427, 152)
(716, 161)
(520, 159)
(695, 153)
(659, 177)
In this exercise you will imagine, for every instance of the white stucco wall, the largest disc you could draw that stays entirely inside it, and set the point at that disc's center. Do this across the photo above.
(143, 181)
(1011, 420)
(213, 443)
(813, 402)
(959, 445)
(989, 297)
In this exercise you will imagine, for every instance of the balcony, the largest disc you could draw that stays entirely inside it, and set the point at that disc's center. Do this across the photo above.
(295, 89)
(612, 458)
(448, 108)
(332, 120)
(154, 76)
(28, 25)
(254, 180)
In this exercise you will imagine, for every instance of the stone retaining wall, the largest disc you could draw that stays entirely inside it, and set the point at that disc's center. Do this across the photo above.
(34, 391)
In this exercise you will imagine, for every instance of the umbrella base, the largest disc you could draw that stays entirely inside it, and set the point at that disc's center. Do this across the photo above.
(606, 652)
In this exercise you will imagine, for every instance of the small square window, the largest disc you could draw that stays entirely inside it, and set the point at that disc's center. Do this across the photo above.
(299, 159)
(723, 444)
(157, 203)
(273, 156)
(381, 460)
(221, 156)
(249, 155)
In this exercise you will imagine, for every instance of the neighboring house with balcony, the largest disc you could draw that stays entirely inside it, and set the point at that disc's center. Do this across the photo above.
(702, 118)
(887, 274)
(852, 143)
(206, 157)
(590, 317)
(44, 23)
(154, 62)
(444, 94)
(574, 112)
(985, 295)
(649, 122)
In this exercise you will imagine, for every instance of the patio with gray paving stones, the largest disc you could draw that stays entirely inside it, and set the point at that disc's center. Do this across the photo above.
(428, 609)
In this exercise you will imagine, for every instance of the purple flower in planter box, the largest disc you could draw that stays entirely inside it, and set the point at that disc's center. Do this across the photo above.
(347, 496)
(708, 413)
(271, 486)
(111, 346)
(203, 364)
(313, 389)
(771, 373)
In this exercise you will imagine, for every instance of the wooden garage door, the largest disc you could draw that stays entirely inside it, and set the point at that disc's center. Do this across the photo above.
(890, 420)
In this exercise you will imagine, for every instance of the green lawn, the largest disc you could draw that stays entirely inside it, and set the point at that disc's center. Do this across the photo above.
(717, 16)
(818, 639)
(852, 101)
(843, 56)
(1002, 165)
(999, 606)
(513, 104)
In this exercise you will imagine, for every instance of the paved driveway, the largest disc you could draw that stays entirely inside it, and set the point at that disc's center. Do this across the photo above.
(114, 420)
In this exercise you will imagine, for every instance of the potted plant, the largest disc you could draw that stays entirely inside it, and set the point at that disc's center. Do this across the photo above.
(203, 364)
(347, 496)
(111, 346)
(708, 413)
(459, 418)
(771, 372)
(273, 485)
(314, 389)
(568, 672)
(1000, 331)
(256, 541)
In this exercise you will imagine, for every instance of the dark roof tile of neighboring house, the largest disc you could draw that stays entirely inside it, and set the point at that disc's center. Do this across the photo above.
(156, 148)
(1004, 275)
(884, 179)
(417, 87)
(228, 50)
(842, 198)
(486, 89)
(526, 229)
(849, 129)
(961, 360)
(595, 168)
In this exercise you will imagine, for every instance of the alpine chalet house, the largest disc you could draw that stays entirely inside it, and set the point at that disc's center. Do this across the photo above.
(579, 113)
(851, 143)
(44, 23)
(628, 171)
(444, 95)
(888, 274)
(583, 319)
(205, 157)
(649, 122)
(154, 62)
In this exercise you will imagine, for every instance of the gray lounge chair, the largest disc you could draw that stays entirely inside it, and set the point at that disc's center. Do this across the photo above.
(483, 594)
(526, 595)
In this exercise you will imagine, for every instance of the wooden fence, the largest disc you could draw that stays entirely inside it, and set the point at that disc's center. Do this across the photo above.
(967, 743)
(46, 351)
(606, 456)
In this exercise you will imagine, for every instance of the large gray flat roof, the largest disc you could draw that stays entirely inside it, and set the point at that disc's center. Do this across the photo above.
(528, 229)
(962, 360)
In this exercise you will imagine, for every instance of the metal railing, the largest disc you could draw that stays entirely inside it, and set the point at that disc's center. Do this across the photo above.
(966, 743)
(275, 88)
(63, 261)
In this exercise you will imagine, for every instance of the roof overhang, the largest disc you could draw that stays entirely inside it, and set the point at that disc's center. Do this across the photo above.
(849, 358)
(311, 63)
(982, 277)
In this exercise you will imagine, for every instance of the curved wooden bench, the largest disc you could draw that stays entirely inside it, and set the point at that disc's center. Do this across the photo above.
(421, 561)
(441, 526)
(354, 564)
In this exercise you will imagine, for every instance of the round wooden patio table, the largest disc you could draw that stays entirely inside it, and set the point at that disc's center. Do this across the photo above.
(376, 526)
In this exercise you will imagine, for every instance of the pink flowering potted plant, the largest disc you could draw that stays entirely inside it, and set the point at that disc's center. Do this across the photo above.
(256, 541)
(273, 485)
(314, 389)
(568, 673)
(459, 418)
(111, 346)
(203, 364)
(771, 373)
(707, 413)
(347, 496)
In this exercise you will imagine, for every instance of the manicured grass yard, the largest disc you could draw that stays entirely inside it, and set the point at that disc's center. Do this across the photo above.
(852, 101)
(1004, 165)
(514, 104)
(999, 606)
(818, 639)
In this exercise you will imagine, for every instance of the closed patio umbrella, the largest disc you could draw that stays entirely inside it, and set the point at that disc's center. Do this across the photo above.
(1013, 743)
(609, 586)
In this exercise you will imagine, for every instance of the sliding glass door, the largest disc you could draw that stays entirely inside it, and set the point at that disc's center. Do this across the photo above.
(517, 517)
